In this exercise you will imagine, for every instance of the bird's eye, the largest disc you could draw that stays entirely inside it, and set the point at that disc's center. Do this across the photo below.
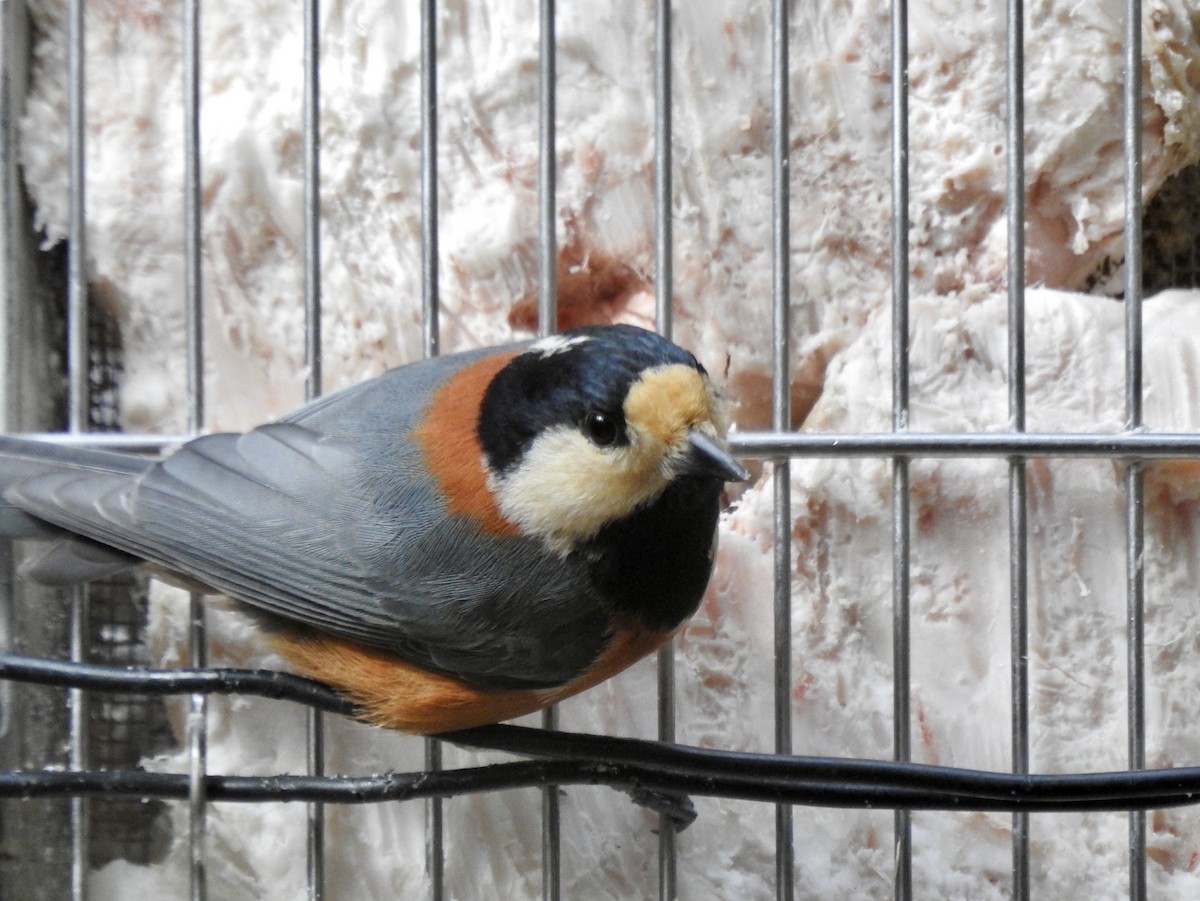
(600, 429)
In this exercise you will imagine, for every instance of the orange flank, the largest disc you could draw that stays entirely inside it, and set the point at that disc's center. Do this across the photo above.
(449, 440)
(397, 694)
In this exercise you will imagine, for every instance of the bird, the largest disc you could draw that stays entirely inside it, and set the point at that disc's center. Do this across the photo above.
(456, 542)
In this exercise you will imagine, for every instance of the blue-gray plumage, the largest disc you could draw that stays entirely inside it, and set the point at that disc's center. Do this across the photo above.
(498, 519)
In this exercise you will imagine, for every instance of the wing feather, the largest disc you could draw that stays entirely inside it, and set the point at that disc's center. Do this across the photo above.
(342, 532)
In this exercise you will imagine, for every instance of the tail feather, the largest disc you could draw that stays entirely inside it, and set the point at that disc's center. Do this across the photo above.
(69, 558)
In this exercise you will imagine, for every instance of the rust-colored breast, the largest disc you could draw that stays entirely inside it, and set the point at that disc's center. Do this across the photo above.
(450, 442)
(399, 695)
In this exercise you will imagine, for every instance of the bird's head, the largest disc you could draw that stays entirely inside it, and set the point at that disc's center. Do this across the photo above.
(585, 427)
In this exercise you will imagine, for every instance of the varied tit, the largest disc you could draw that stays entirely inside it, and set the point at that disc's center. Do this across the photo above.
(456, 542)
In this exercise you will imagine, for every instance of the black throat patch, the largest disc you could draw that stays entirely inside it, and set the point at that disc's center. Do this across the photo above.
(654, 564)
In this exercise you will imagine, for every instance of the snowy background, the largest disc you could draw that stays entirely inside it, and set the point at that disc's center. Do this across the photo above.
(251, 133)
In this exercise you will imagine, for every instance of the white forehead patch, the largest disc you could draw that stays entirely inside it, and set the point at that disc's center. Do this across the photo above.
(556, 344)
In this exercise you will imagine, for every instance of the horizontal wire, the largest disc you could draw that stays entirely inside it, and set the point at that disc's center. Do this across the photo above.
(1124, 446)
(1116, 445)
(809, 781)
(142, 680)
(655, 773)
(1144, 789)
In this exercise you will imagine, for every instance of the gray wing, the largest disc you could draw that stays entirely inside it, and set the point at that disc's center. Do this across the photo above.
(62, 558)
(23, 459)
(344, 535)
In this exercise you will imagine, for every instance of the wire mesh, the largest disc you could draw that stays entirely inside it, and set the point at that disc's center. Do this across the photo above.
(118, 730)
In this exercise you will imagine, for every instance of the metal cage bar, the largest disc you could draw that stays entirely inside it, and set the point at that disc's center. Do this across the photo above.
(77, 409)
(32, 724)
(314, 721)
(664, 286)
(547, 324)
(781, 415)
(430, 274)
(901, 689)
(1134, 494)
(1018, 529)
(1122, 446)
(435, 822)
(547, 172)
(197, 720)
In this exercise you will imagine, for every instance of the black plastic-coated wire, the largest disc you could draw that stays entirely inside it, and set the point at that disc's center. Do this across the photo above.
(654, 773)
(1139, 790)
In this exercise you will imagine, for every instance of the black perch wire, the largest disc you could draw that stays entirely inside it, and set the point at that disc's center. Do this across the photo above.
(655, 774)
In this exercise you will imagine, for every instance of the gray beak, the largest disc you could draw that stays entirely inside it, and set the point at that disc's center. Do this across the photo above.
(710, 459)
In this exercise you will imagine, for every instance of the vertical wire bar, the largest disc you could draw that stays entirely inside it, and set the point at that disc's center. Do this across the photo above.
(1135, 520)
(197, 728)
(547, 173)
(197, 732)
(1018, 518)
(77, 305)
(16, 242)
(430, 286)
(314, 721)
(312, 199)
(1133, 214)
(667, 851)
(77, 757)
(781, 420)
(435, 826)
(77, 413)
(547, 323)
(551, 827)
(664, 286)
(900, 475)
(1135, 530)
(194, 350)
(664, 240)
